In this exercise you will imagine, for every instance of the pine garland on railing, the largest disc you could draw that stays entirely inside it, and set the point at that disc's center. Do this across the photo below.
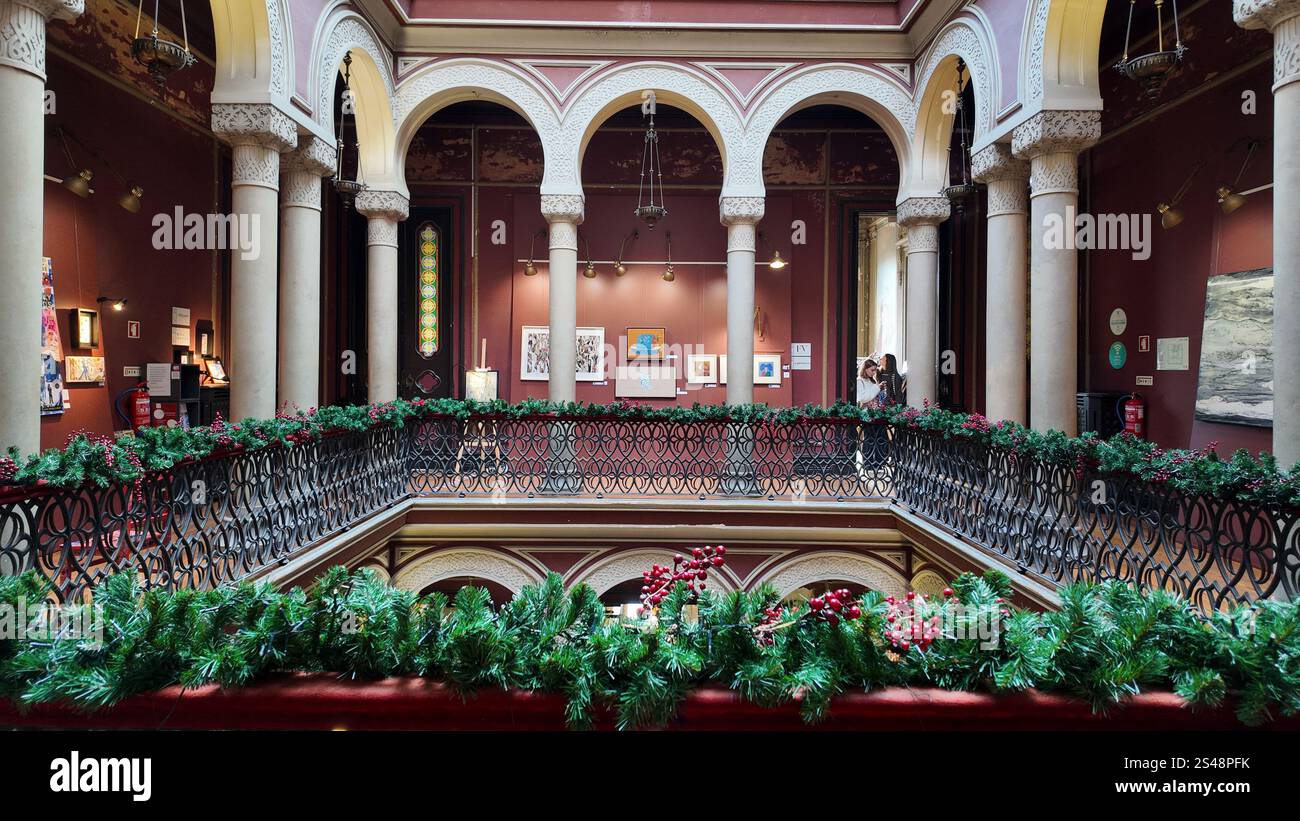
(89, 459)
(1106, 642)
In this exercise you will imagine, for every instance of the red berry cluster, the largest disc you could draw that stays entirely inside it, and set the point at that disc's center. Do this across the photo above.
(694, 571)
(907, 624)
(834, 606)
(764, 631)
(8, 469)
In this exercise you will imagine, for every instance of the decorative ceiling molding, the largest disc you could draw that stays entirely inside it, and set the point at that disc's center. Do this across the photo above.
(903, 70)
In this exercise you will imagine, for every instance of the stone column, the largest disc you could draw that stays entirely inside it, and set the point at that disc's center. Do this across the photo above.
(1051, 141)
(384, 209)
(1282, 18)
(564, 213)
(741, 216)
(1006, 323)
(921, 217)
(300, 271)
(22, 161)
(257, 133)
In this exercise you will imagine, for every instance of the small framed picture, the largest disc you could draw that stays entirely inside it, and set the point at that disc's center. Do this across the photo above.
(767, 369)
(722, 369)
(481, 385)
(216, 370)
(646, 344)
(701, 368)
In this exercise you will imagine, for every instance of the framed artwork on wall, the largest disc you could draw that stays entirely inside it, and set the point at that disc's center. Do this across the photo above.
(535, 354)
(722, 369)
(646, 382)
(767, 369)
(646, 344)
(51, 346)
(701, 368)
(1235, 383)
(85, 369)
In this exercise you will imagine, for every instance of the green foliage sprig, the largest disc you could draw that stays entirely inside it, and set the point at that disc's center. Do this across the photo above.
(1106, 642)
(89, 459)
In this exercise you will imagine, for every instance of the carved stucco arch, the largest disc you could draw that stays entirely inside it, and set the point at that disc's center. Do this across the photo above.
(1060, 55)
(629, 565)
(809, 569)
(684, 87)
(446, 82)
(373, 92)
(511, 573)
(929, 583)
(864, 88)
(964, 38)
(254, 53)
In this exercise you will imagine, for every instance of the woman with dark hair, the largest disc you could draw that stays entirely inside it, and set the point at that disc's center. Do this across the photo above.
(893, 385)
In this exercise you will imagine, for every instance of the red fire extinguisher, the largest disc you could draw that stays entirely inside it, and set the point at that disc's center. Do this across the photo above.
(141, 411)
(1135, 415)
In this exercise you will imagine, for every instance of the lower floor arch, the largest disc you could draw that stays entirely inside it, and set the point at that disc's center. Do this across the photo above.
(510, 573)
(811, 569)
(610, 571)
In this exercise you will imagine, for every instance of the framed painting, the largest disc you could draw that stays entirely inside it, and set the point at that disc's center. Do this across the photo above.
(722, 369)
(85, 369)
(51, 346)
(535, 354)
(1235, 383)
(767, 369)
(701, 368)
(646, 344)
(646, 382)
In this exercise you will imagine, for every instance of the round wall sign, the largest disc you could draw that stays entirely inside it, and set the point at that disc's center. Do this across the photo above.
(1118, 355)
(1118, 321)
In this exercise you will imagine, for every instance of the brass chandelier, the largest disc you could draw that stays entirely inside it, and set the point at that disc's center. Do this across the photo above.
(347, 187)
(1153, 68)
(161, 57)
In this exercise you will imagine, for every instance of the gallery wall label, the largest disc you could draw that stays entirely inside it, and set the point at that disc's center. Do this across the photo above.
(1118, 321)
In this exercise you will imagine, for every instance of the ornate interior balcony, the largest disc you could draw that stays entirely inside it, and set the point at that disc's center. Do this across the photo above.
(283, 513)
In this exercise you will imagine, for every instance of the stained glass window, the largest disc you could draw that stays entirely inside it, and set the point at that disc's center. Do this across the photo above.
(429, 242)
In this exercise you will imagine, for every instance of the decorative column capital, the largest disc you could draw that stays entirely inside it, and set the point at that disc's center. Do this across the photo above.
(1006, 176)
(1282, 18)
(917, 211)
(259, 124)
(1053, 132)
(313, 156)
(22, 31)
(1264, 14)
(383, 205)
(740, 210)
(563, 208)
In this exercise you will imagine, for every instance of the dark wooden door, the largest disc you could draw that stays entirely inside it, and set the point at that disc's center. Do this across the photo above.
(425, 332)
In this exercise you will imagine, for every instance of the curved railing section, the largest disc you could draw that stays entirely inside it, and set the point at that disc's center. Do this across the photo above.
(218, 519)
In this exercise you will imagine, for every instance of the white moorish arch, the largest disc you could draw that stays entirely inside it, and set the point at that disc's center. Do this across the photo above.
(456, 80)
(1059, 56)
(254, 57)
(511, 573)
(340, 33)
(808, 569)
(865, 88)
(624, 567)
(964, 38)
(685, 87)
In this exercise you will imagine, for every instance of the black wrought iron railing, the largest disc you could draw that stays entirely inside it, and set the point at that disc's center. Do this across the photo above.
(218, 519)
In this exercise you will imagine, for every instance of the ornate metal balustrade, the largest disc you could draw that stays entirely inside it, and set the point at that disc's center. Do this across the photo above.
(219, 519)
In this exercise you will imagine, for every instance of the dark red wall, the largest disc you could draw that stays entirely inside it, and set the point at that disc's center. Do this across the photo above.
(99, 249)
(1145, 161)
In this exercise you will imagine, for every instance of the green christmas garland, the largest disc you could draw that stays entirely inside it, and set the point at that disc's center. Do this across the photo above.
(1106, 642)
(100, 460)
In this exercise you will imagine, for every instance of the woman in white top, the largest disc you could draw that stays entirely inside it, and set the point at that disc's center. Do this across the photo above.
(868, 389)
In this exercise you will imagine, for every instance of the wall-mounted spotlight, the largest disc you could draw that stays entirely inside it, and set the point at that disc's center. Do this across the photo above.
(778, 262)
(1228, 196)
(117, 304)
(590, 271)
(619, 268)
(530, 267)
(1170, 214)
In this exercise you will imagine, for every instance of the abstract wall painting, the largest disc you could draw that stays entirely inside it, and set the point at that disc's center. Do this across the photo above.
(1235, 384)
